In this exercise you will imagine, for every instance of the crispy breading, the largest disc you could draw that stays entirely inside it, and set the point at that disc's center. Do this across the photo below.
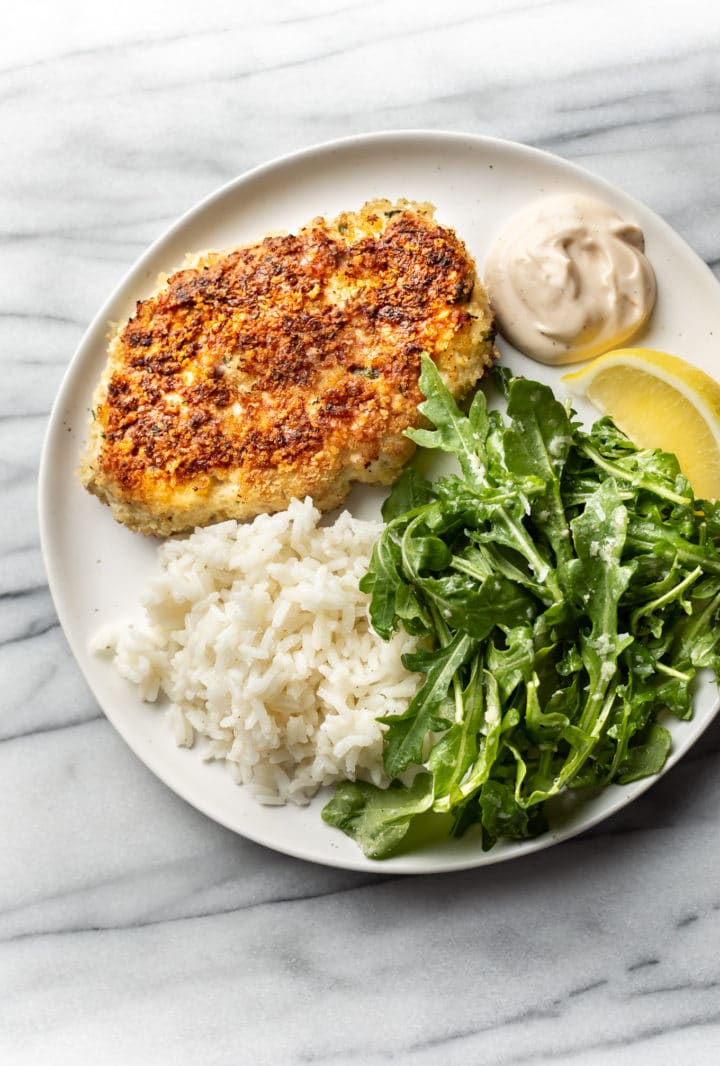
(284, 368)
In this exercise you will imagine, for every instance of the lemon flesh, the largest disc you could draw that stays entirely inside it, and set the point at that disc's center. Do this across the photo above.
(659, 401)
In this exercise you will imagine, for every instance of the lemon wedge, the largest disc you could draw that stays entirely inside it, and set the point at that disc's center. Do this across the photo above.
(659, 401)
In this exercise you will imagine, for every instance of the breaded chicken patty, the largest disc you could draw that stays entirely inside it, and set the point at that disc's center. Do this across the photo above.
(283, 368)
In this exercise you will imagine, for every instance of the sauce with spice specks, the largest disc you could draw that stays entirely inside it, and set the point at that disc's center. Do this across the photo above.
(568, 279)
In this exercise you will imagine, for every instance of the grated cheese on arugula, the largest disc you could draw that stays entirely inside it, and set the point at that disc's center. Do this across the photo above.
(569, 587)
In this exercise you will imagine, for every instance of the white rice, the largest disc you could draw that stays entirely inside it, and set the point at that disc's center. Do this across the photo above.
(259, 637)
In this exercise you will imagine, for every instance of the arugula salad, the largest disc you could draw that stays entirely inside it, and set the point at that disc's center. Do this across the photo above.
(566, 585)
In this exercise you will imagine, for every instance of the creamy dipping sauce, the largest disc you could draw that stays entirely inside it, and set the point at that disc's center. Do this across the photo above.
(568, 279)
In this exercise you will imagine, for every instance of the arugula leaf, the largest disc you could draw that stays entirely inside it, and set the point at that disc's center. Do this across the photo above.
(537, 443)
(646, 758)
(471, 777)
(456, 751)
(378, 818)
(407, 731)
(455, 432)
(567, 586)
(384, 581)
(478, 608)
(410, 491)
(502, 816)
(597, 579)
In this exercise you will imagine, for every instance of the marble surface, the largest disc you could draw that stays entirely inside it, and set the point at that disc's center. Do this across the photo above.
(134, 930)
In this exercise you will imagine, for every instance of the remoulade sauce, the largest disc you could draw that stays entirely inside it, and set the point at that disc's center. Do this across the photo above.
(568, 279)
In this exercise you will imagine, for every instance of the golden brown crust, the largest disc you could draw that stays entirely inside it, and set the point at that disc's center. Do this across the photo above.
(285, 368)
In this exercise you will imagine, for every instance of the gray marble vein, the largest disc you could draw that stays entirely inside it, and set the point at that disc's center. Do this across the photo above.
(132, 928)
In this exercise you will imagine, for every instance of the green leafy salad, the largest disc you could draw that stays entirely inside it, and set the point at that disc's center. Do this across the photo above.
(567, 587)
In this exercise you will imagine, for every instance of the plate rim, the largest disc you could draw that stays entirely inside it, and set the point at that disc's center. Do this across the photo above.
(410, 865)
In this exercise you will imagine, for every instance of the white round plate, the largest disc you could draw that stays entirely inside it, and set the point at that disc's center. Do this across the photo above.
(96, 568)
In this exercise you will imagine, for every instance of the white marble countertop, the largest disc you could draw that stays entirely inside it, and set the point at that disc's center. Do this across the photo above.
(134, 930)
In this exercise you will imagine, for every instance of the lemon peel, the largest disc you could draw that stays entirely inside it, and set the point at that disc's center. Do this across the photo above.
(659, 401)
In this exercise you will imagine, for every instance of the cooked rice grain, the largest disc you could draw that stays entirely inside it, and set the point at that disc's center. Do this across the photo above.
(259, 636)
